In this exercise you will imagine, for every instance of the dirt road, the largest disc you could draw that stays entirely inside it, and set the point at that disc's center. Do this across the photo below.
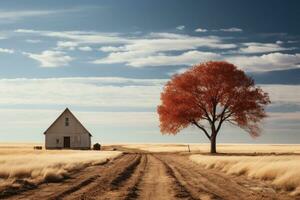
(152, 176)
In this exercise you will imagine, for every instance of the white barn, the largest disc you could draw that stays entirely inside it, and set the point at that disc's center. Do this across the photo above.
(66, 132)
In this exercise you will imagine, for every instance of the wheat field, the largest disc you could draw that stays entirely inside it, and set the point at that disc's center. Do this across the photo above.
(221, 148)
(282, 171)
(277, 163)
(20, 164)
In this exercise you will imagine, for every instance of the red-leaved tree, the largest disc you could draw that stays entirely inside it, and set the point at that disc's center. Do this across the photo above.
(207, 96)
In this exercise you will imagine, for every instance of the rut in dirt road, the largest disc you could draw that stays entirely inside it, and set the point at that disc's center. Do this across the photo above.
(204, 183)
(117, 184)
(148, 176)
(145, 178)
(159, 184)
(100, 176)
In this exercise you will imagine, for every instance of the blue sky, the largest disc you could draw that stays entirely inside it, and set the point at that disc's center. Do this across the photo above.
(108, 61)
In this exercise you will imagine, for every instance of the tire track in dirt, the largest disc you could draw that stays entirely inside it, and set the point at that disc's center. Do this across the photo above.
(80, 181)
(159, 182)
(181, 186)
(134, 190)
(203, 183)
(116, 184)
(158, 176)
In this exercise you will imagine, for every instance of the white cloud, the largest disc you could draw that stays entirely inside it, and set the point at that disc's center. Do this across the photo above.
(70, 45)
(201, 30)
(51, 58)
(255, 47)
(173, 42)
(138, 60)
(7, 16)
(181, 27)
(142, 55)
(122, 57)
(155, 41)
(110, 49)
(9, 51)
(112, 92)
(103, 92)
(151, 51)
(80, 37)
(266, 62)
(161, 48)
(233, 29)
(85, 48)
(283, 93)
(109, 94)
(14, 15)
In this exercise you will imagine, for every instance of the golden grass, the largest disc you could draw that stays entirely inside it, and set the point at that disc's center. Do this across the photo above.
(280, 163)
(223, 148)
(282, 171)
(19, 163)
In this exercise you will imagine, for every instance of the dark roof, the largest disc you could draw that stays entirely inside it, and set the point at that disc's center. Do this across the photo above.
(67, 110)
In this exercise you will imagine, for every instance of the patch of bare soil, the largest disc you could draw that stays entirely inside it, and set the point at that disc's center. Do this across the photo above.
(141, 175)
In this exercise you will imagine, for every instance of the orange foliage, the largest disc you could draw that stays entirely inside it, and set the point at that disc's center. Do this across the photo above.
(216, 92)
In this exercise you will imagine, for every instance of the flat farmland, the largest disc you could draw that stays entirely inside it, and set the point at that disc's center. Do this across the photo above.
(134, 171)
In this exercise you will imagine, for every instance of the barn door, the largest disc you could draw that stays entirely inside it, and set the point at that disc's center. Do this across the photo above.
(67, 142)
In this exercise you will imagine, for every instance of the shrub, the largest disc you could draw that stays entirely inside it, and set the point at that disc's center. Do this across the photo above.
(97, 146)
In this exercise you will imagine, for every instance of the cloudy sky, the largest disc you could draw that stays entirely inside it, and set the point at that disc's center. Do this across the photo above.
(108, 61)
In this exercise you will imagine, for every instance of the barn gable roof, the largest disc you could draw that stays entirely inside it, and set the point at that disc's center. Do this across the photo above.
(67, 110)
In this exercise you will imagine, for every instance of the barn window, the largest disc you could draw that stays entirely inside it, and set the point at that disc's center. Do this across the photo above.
(57, 141)
(67, 121)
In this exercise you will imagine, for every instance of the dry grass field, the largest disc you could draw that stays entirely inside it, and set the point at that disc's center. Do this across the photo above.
(20, 164)
(151, 171)
(221, 148)
(282, 171)
(276, 163)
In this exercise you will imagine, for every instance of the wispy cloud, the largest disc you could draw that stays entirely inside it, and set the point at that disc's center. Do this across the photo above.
(164, 48)
(156, 49)
(85, 48)
(79, 37)
(51, 58)
(9, 51)
(7, 16)
(69, 45)
(233, 29)
(256, 47)
(138, 60)
(181, 27)
(266, 62)
(106, 92)
(283, 93)
(201, 30)
(102, 92)
(150, 41)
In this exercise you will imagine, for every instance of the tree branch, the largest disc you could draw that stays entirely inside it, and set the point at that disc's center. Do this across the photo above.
(222, 113)
(222, 120)
(205, 112)
(202, 128)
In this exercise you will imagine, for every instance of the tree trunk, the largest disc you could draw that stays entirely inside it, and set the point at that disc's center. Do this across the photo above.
(213, 148)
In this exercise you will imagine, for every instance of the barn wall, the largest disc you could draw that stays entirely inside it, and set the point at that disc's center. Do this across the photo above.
(79, 136)
(77, 141)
